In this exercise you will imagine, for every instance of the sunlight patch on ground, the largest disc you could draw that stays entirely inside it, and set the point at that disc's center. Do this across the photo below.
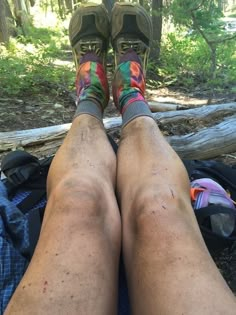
(163, 96)
(180, 100)
(63, 63)
(97, 1)
(42, 18)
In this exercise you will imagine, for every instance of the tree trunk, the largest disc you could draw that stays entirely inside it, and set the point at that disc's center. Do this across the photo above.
(61, 9)
(32, 2)
(157, 29)
(109, 4)
(141, 2)
(52, 5)
(69, 5)
(4, 33)
(21, 10)
(11, 25)
(220, 5)
(8, 10)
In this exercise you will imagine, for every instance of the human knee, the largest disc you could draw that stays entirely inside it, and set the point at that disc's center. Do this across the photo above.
(157, 207)
(75, 196)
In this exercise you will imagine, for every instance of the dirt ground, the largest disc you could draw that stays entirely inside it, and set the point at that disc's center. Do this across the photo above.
(35, 111)
(49, 109)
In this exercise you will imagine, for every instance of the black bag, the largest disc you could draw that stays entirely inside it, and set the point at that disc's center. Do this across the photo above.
(226, 177)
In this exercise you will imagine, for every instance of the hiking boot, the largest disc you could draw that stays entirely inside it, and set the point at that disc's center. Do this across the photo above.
(131, 30)
(89, 32)
(89, 36)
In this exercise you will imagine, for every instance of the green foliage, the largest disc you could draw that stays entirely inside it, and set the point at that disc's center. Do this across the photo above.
(207, 12)
(226, 66)
(185, 61)
(179, 10)
(197, 14)
(205, 57)
(40, 61)
(30, 63)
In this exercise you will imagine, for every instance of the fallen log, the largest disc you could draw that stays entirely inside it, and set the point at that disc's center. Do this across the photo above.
(208, 142)
(158, 106)
(205, 144)
(14, 139)
(163, 107)
(224, 133)
(202, 113)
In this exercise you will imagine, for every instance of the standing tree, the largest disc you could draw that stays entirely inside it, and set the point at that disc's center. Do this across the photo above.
(157, 27)
(62, 10)
(4, 33)
(69, 5)
(22, 14)
(108, 4)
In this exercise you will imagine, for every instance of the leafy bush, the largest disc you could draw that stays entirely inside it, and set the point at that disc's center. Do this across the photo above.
(226, 67)
(185, 61)
(29, 63)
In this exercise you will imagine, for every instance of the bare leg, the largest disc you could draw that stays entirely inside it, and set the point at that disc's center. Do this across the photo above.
(75, 266)
(168, 266)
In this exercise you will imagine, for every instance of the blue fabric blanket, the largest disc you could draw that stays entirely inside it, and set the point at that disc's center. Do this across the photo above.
(14, 242)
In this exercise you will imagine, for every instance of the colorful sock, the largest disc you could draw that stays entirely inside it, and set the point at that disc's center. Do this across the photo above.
(129, 87)
(91, 87)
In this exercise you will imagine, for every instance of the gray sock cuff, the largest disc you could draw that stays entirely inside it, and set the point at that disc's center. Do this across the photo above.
(134, 110)
(89, 107)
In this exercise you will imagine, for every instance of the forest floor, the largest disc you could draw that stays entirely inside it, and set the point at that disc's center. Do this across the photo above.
(55, 105)
(50, 108)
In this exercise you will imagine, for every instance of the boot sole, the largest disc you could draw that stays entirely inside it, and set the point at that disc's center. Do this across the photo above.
(138, 23)
(88, 21)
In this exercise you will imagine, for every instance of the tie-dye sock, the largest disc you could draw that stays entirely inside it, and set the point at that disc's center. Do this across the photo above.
(91, 87)
(129, 87)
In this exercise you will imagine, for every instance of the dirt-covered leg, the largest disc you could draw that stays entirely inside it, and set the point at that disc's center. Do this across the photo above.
(168, 267)
(75, 265)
